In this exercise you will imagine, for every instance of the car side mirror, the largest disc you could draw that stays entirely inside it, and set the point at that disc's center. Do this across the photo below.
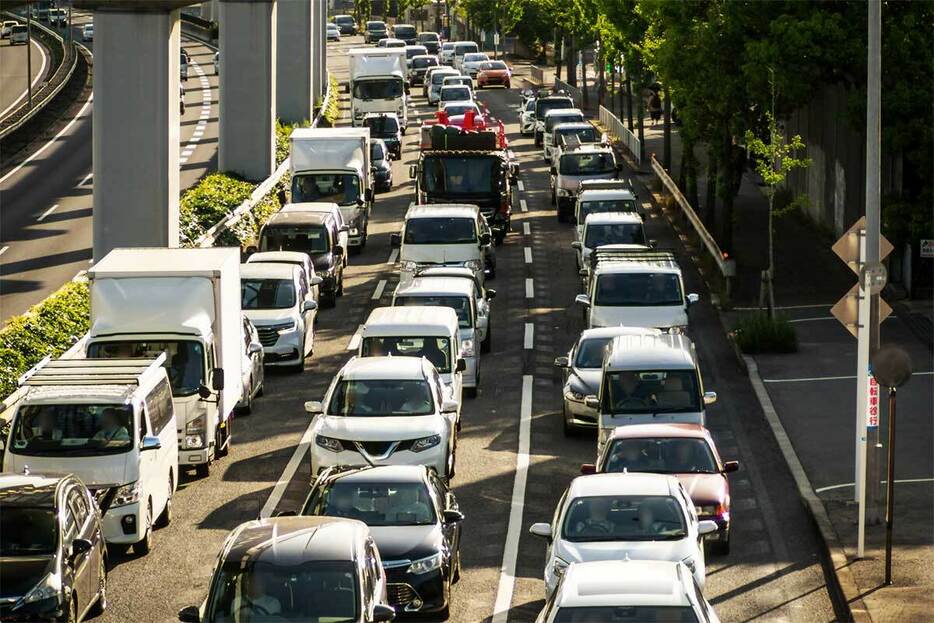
(413, 171)
(693, 299)
(653, 243)
(189, 614)
(576, 245)
(490, 294)
(706, 526)
(217, 379)
(150, 443)
(283, 199)
(314, 407)
(542, 530)
(461, 365)
(308, 306)
(592, 402)
(485, 239)
(382, 613)
(452, 516)
(730, 466)
(562, 362)
(582, 299)
(395, 240)
(450, 406)
(254, 348)
(204, 392)
(316, 281)
(710, 398)
(289, 513)
(588, 469)
(80, 546)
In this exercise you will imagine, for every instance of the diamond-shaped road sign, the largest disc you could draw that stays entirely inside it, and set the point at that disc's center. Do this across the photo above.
(847, 247)
(846, 310)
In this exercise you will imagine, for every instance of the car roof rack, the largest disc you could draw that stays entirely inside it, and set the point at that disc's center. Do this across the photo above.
(623, 183)
(91, 371)
(614, 254)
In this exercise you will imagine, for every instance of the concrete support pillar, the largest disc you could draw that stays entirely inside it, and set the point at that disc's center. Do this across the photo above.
(317, 26)
(294, 60)
(247, 88)
(135, 127)
(209, 10)
(321, 35)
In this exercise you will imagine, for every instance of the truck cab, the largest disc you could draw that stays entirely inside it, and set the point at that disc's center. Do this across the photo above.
(554, 117)
(575, 132)
(616, 229)
(575, 165)
(378, 83)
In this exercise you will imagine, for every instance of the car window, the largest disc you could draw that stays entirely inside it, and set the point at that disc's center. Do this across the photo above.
(79, 505)
(613, 233)
(590, 353)
(460, 304)
(159, 405)
(72, 429)
(638, 290)
(673, 455)
(655, 391)
(378, 503)
(435, 349)
(266, 293)
(624, 518)
(384, 397)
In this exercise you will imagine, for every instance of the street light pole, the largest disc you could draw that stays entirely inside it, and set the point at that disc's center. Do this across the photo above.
(890, 489)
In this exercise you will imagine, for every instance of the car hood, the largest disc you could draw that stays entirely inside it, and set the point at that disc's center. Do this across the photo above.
(397, 543)
(587, 377)
(18, 574)
(661, 317)
(571, 182)
(705, 489)
(263, 317)
(106, 470)
(439, 253)
(380, 428)
(619, 550)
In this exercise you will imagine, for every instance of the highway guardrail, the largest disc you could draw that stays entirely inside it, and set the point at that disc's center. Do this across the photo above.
(537, 75)
(616, 127)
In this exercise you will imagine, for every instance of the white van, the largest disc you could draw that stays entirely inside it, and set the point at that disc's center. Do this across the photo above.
(621, 230)
(112, 423)
(460, 49)
(648, 379)
(554, 117)
(428, 332)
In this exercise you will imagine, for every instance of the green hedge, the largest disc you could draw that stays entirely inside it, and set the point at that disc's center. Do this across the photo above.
(210, 201)
(49, 328)
(758, 333)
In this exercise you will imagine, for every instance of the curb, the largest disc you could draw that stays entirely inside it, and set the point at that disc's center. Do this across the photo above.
(843, 584)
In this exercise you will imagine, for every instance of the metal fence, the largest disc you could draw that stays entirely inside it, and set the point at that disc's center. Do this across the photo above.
(616, 127)
(574, 92)
(726, 266)
(537, 75)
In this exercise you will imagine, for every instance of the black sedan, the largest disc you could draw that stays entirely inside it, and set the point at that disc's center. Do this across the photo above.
(52, 552)
(413, 518)
(386, 126)
(382, 165)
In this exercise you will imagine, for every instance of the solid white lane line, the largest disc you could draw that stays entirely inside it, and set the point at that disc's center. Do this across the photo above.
(827, 305)
(529, 289)
(393, 256)
(354, 342)
(906, 481)
(528, 255)
(523, 205)
(521, 187)
(378, 293)
(38, 77)
(831, 378)
(526, 229)
(507, 573)
(528, 341)
(812, 319)
(287, 474)
(4, 250)
(46, 213)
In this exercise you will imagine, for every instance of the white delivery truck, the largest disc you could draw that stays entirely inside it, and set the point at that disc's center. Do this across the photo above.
(184, 303)
(377, 83)
(333, 165)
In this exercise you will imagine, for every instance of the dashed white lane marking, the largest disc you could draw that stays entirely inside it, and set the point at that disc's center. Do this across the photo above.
(41, 217)
(907, 481)
(378, 293)
(523, 205)
(4, 250)
(528, 255)
(287, 474)
(831, 378)
(354, 342)
(529, 339)
(38, 77)
(521, 187)
(526, 228)
(507, 573)
(529, 289)
(198, 132)
(393, 256)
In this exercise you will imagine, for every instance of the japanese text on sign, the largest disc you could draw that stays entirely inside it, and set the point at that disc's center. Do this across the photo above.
(872, 403)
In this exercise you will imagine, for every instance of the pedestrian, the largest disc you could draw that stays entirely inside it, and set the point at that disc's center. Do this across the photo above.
(655, 108)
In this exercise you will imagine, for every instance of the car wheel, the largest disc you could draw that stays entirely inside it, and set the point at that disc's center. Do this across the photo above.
(144, 546)
(223, 436)
(166, 517)
(569, 429)
(203, 470)
(73, 610)
(451, 469)
(721, 547)
(554, 199)
(456, 573)
(328, 300)
(247, 407)
(100, 604)
(487, 342)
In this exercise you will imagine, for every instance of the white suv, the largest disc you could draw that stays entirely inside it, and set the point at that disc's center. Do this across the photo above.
(384, 411)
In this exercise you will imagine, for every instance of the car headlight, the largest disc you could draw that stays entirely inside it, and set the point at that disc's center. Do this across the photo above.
(127, 494)
(420, 445)
(286, 327)
(467, 348)
(193, 441)
(408, 266)
(425, 565)
(49, 587)
(689, 562)
(329, 443)
(558, 567)
(473, 264)
(197, 425)
(577, 389)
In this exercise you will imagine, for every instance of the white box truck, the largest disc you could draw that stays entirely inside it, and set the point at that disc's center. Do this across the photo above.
(333, 165)
(377, 83)
(184, 303)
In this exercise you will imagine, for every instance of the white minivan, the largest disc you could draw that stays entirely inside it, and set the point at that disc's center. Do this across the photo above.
(428, 332)
(111, 422)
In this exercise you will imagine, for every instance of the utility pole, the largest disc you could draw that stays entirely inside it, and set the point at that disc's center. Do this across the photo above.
(29, 54)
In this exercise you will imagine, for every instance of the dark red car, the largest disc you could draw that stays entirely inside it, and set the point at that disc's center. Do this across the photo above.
(683, 450)
(494, 73)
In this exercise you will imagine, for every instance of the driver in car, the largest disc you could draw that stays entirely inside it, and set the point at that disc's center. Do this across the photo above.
(598, 523)
(630, 391)
(253, 599)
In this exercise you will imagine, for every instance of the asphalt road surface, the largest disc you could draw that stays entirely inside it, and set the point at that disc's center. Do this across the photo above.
(13, 68)
(774, 572)
(45, 224)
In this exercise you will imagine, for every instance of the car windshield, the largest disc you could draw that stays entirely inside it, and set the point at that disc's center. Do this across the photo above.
(27, 531)
(609, 205)
(376, 504)
(421, 63)
(73, 429)
(267, 293)
(613, 233)
(184, 360)
(437, 350)
(590, 352)
(465, 48)
(471, 58)
(655, 391)
(638, 290)
(381, 397)
(493, 66)
(673, 455)
(412, 52)
(379, 88)
(461, 175)
(455, 93)
(344, 19)
(460, 304)
(552, 120)
(587, 163)
(624, 518)
(260, 592)
(438, 77)
(383, 126)
(544, 105)
(377, 152)
(376, 25)
(457, 80)
(311, 239)
(440, 231)
(425, 37)
(340, 188)
(585, 135)
(459, 109)
(626, 614)
(403, 31)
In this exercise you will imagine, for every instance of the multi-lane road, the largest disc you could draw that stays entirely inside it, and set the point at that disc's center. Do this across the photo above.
(14, 67)
(45, 224)
(774, 572)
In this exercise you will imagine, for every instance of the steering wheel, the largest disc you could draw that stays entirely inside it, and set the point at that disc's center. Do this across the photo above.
(633, 401)
(255, 609)
(598, 527)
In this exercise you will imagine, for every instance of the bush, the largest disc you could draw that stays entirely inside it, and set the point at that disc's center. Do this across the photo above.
(758, 333)
(208, 202)
(49, 328)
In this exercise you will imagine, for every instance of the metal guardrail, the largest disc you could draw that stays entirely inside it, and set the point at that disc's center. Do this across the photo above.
(208, 238)
(537, 75)
(726, 266)
(616, 127)
(56, 82)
